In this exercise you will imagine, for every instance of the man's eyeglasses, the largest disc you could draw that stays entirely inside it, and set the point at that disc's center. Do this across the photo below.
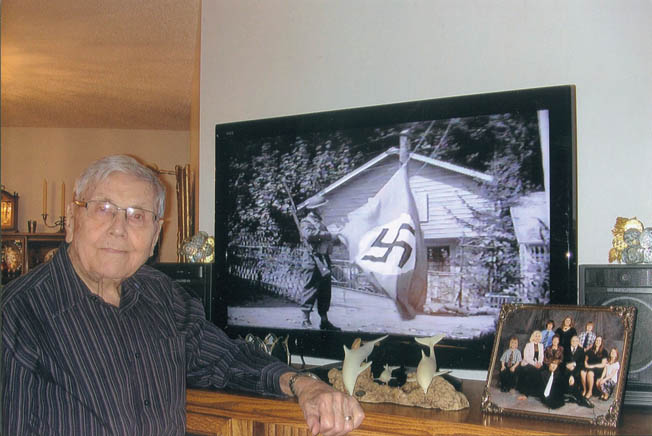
(104, 211)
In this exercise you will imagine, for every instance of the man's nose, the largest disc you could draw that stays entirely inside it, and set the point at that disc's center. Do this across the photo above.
(119, 223)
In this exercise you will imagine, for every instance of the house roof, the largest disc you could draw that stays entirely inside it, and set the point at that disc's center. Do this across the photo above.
(529, 216)
(394, 152)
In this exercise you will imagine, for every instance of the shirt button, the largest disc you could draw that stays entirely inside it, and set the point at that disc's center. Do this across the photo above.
(146, 403)
(137, 354)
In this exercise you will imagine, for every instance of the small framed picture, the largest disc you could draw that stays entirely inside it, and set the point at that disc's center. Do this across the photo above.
(566, 363)
(42, 248)
(9, 213)
(13, 257)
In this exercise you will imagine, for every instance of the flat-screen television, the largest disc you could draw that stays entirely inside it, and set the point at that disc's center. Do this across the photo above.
(485, 185)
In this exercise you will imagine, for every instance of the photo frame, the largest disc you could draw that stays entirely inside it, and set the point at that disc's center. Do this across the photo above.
(13, 257)
(9, 211)
(42, 249)
(529, 391)
(21, 252)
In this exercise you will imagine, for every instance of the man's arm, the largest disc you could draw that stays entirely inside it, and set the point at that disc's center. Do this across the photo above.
(312, 232)
(326, 410)
(215, 360)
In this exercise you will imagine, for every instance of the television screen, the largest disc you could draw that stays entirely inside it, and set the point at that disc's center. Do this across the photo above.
(408, 219)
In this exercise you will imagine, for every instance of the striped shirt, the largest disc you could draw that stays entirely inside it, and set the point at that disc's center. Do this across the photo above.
(587, 338)
(75, 365)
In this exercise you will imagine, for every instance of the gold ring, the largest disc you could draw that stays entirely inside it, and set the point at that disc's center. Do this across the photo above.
(348, 418)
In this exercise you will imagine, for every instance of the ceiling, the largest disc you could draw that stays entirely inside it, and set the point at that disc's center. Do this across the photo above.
(124, 64)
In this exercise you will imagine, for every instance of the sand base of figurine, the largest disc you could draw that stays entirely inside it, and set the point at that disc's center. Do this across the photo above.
(441, 394)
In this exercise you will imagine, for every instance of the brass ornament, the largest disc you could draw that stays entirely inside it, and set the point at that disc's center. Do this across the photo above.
(199, 248)
(631, 242)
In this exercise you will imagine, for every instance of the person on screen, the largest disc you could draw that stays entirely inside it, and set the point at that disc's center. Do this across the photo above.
(548, 333)
(95, 342)
(509, 362)
(609, 378)
(316, 267)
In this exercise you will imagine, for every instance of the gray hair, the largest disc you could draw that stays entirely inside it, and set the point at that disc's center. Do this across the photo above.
(102, 168)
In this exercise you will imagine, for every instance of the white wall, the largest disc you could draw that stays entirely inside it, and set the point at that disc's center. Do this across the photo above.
(264, 58)
(31, 154)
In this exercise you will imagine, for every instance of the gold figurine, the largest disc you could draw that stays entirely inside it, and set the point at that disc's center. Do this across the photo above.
(621, 241)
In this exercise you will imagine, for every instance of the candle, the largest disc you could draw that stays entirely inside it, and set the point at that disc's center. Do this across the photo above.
(63, 199)
(45, 197)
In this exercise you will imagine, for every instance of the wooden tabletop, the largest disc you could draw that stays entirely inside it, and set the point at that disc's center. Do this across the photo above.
(204, 407)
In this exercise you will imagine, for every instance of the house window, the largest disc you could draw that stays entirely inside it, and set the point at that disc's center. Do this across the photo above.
(439, 258)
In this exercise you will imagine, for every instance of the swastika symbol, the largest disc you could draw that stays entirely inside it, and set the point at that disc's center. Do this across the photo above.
(407, 248)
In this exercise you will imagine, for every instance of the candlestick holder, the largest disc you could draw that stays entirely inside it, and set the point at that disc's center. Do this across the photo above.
(61, 223)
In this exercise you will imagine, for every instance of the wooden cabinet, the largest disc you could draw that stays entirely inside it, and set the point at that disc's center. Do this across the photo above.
(24, 251)
(227, 414)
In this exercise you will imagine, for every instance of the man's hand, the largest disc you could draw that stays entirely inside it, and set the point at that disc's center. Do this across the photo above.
(326, 410)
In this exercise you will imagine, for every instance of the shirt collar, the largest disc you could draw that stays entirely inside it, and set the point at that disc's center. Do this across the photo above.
(72, 290)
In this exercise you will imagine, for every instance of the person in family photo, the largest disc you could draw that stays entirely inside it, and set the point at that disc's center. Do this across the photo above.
(587, 337)
(548, 333)
(574, 367)
(565, 332)
(553, 352)
(553, 385)
(509, 363)
(529, 373)
(609, 378)
(594, 361)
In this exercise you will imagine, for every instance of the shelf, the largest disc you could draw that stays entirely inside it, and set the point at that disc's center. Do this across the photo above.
(24, 251)
(232, 414)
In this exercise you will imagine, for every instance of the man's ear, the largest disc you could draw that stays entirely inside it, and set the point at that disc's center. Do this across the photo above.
(70, 222)
(157, 233)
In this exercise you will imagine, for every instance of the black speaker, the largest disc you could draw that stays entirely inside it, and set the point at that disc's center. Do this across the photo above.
(196, 278)
(626, 285)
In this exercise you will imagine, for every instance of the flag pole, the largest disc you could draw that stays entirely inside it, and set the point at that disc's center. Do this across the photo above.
(293, 211)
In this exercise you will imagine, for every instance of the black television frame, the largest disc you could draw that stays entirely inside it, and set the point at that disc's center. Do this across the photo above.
(459, 353)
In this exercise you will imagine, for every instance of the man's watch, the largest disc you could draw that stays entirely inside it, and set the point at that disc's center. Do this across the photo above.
(296, 375)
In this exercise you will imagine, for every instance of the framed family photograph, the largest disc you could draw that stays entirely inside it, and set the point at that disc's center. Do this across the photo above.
(566, 363)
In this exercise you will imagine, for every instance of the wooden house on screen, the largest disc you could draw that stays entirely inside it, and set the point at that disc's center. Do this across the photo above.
(443, 194)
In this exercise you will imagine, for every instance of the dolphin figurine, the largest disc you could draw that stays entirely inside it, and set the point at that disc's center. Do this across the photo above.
(427, 369)
(353, 358)
(386, 375)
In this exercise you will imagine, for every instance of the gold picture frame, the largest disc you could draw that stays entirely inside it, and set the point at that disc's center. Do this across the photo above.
(529, 391)
(13, 257)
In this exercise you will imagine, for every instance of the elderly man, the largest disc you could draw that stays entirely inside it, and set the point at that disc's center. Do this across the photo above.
(96, 343)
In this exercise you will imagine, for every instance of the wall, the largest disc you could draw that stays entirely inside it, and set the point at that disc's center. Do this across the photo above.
(279, 57)
(59, 155)
(194, 118)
